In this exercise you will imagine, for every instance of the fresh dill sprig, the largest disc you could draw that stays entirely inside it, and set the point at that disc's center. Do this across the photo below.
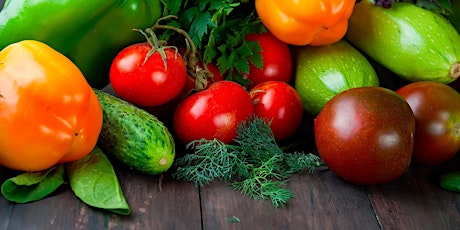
(299, 161)
(201, 167)
(234, 219)
(259, 187)
(257, 165)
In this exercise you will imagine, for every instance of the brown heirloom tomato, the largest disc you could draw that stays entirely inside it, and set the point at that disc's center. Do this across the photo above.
(437, 113)
(366, 135)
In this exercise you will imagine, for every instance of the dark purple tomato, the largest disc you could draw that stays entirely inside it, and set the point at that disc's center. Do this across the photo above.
(366, 135)
(437, 114)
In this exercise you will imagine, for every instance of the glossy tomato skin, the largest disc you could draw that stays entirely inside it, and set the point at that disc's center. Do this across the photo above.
(163, 112)
(212, 113)
(150, 83)
(437, 113)
(366, 135)
(279, 103)
(276, 57)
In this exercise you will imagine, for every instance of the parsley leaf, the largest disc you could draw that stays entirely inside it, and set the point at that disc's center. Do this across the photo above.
(218, 29)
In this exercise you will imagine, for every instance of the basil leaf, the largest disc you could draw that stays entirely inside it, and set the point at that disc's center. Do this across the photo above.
(33, 186)
(94, 181)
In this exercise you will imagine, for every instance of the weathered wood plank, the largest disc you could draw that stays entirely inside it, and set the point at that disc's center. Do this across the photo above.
(322, 201)
(416, 201)
(176, 206)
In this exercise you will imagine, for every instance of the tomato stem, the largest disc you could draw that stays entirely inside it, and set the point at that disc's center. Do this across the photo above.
(188, 40)
(156, 45)
(200, 74)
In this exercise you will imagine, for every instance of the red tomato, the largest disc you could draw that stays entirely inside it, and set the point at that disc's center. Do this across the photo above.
(212, 113)
(146, 82)
(437, 114)
(366, 135)
(163, 112)
(279, 103)
(276, 58)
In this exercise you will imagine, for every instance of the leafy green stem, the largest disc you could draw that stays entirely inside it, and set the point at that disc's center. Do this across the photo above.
(254, 164)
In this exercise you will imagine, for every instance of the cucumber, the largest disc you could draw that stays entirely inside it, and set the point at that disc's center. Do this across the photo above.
(321, 72)
(415, 43)
(133, 136)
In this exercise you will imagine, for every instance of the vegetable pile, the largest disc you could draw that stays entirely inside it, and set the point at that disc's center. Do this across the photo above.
(231, 81)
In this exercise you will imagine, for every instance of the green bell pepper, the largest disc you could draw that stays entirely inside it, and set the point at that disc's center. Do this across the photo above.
(90, 33)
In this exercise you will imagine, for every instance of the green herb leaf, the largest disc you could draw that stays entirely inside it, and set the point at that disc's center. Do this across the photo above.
(199, 24)
(256, 160)
(218, 29)
(202, 168)
(94, 181)
(171, 7)
(298, 162)
(33, 186)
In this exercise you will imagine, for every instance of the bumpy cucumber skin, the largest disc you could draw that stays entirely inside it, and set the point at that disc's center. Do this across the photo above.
(321, 72)
(135, 137)
(413, 42)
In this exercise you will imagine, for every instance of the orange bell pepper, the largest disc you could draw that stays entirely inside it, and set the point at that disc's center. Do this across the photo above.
(306, 22)
(49, 113)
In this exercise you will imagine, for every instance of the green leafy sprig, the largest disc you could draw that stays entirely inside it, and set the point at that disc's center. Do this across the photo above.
(218, 29)
(255, 164)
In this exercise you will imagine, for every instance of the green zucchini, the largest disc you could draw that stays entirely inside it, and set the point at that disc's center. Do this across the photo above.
(414, 43)
(321, 72)
(135, 137)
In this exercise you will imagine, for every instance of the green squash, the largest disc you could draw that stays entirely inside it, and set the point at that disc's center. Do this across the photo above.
(413, 42)
(321, 72)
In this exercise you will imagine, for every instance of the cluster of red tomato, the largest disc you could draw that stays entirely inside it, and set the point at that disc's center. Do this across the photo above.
(214, 112)
(369, 133)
